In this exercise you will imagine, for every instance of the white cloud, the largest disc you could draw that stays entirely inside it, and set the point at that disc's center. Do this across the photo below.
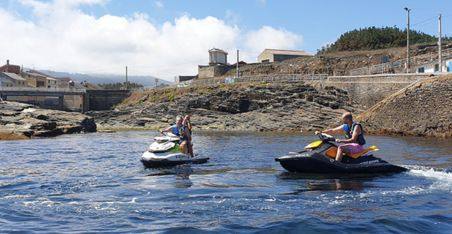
(268, 37)
(62, 37)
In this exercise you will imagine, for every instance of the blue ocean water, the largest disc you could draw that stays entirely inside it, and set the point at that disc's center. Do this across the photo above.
(96, 183)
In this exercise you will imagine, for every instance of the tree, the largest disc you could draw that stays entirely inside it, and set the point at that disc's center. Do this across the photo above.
(373, 38)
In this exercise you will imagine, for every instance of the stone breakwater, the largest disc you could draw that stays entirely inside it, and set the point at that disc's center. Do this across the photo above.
(23, 121)
(421, 109)
(257, 107)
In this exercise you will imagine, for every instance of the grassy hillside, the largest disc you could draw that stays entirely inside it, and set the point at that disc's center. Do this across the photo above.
(372, 38)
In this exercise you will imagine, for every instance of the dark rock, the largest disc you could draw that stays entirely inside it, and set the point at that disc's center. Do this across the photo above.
(29, 121)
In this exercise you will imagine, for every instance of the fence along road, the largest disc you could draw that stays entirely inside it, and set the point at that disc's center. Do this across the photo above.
(390, 67)
(274, 78)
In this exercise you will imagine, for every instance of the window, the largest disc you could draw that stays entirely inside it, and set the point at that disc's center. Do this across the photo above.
(436, 67)
(421, 70)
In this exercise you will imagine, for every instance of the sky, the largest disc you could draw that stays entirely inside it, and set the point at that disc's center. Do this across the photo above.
(166, 38)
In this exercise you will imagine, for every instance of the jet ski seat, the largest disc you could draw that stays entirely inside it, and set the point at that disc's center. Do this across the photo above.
(331, 152)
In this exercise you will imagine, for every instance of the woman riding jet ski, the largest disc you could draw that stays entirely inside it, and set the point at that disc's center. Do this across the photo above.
(325, 156)
(166, 150)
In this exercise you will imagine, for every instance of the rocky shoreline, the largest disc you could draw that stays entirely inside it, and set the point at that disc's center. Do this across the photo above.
(421, 109)
(24, 121)
(251, 107)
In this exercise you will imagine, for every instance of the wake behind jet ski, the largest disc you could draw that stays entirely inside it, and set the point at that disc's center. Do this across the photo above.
(318, 157)
(325, 156)
(173, 148)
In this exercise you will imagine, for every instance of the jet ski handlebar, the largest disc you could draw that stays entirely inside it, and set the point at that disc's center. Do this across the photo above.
(326, 137)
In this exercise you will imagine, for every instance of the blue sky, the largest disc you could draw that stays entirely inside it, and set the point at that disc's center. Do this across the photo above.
(302, 24)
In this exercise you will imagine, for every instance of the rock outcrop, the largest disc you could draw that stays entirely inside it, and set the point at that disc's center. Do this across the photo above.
(22, 121)
(421, 109)
(245, 107)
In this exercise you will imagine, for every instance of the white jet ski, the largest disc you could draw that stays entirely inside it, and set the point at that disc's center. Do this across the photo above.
(164, 152)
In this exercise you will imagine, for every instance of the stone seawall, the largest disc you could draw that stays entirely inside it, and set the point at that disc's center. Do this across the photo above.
(368, 90)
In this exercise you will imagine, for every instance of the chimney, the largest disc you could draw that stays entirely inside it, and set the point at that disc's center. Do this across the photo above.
(7, 62)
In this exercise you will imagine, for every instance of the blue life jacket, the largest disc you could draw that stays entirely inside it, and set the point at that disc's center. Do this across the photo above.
(349, 132)
(175, 130)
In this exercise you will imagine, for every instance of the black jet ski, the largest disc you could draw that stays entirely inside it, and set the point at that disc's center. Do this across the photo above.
(164, 152)
(318, 157)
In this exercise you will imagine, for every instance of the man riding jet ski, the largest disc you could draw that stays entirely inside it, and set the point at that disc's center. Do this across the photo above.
(173, 148)
(326, 156)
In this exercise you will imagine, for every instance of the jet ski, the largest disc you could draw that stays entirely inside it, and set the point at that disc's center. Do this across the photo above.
(164, 152)
(318, 157)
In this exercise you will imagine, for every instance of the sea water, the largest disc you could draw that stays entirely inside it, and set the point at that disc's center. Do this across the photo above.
(96, 183)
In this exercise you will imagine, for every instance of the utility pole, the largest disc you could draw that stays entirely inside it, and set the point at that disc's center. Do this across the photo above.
(408, 40)
(127, 79)
(237, 65)
(440, 54)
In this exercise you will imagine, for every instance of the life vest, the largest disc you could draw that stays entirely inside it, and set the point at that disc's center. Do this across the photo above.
(349, 132)
(175, 130)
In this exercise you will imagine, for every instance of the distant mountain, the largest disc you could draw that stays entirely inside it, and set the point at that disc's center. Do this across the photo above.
(146, 81)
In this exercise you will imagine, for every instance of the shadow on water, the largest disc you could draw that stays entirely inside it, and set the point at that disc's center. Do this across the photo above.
(329, 182)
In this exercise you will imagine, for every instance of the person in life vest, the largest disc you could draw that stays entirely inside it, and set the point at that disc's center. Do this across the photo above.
(354, 136)
(175, 128)
(186, 137)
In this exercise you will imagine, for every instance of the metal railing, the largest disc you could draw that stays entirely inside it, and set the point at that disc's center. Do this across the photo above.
(32, 89)
(399, 65)
(273, 78)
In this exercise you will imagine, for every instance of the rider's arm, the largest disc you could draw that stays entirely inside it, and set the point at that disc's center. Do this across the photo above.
(336, 130)
(168, 129)
(355, 135)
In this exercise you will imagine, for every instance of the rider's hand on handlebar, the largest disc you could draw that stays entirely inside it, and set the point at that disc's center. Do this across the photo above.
(317, 132)
(338, 140)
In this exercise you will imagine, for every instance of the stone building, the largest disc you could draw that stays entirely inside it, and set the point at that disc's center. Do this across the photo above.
(212, 71)
(218, 64)
(272, 55)
(34, 79)
(179, 79)
(10, 68)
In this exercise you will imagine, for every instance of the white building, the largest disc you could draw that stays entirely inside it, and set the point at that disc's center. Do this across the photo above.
(51, 83)
(217, 56)
(434, 67)
(272, 55)
(8, 79)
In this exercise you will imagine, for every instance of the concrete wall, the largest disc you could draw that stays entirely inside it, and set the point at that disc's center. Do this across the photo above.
(212, 71)
(367, 90)
(104, 99)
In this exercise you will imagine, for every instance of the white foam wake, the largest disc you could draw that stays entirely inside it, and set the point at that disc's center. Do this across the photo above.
(441, 179)
(431, 173)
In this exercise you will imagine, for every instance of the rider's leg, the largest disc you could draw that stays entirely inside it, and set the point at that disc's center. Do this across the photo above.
(350, 148)
(340, 150)
(190, 149)
(183, 147)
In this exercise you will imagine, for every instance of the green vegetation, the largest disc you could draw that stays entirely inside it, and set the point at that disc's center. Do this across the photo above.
(373, 38)
(121, 85)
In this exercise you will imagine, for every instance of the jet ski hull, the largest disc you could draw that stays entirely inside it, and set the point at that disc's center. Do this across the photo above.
(168, 163)
(152, 160)
(314, 162)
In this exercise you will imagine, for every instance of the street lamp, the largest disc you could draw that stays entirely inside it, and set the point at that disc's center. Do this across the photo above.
(408, 40)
